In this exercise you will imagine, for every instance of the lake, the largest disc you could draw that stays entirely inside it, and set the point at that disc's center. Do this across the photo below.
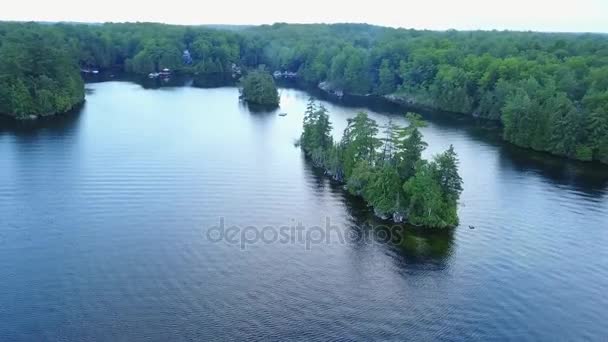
(110, 231)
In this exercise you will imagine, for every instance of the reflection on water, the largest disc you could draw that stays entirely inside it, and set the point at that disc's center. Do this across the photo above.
(414, 245)
(103, 216)
(260, 110)
(213, 80)
(65, 123)
(588, 177)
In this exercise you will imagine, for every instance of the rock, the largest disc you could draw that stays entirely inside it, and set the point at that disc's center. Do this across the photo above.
(398, 217)
(401, 99)
(380, 215)
(330, 89)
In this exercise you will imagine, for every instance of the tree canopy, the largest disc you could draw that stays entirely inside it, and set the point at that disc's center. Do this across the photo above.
(386, 168)
(257, 87)
(38, 76)
(548, 90)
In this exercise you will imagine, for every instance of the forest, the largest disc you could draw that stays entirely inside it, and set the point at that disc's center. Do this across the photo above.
(548, 90)
(386, 168)
(37, 75)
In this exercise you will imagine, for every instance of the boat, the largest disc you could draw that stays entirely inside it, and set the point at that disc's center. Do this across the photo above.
(89, 71)
(282, 114)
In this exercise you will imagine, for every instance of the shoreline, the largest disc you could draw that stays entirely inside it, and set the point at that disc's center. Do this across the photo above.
(406, 103)
(38, 117)
(326, 90)
(392, 218)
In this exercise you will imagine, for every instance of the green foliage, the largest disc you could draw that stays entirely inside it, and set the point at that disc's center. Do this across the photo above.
(450, 89)
(549, 90)
(317, 128)
(388, 172)
(427, 205)
(383, 190)
(537, 84)
(584, 153)
(146, 47)
(387, 78)
(38, 73)
(408, 146)
(447, 174)
(598, 124)
(349, 71)
(258, 88)
(359, 142)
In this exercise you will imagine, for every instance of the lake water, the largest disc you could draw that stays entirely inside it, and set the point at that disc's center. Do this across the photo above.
(106, 214)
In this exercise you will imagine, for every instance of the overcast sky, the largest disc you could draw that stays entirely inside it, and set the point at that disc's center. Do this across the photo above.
(537, 15)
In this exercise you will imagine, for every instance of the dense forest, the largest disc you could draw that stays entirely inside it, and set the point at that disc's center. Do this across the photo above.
(387, 169)
(38, 76)
(549, 90)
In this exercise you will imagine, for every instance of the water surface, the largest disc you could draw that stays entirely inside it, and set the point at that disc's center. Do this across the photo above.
(104, 214)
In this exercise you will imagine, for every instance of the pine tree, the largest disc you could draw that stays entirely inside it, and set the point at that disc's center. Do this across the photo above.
(447, 172)
(360, 141)
(409, 146)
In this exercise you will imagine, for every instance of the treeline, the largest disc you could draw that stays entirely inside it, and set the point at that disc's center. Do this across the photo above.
(149, 47)
(386, 169)
(40, 63)
(549, 90)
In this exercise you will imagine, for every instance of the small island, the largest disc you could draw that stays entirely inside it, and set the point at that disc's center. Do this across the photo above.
(386, 168)
(258, 88)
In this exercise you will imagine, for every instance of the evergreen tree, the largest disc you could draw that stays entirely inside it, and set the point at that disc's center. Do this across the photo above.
(426, 206)
(409, 146)
(359, 141)
(447, 172)
(388, 172)
(429, 204)
(258, 88)
(384, 191)
(317, 128)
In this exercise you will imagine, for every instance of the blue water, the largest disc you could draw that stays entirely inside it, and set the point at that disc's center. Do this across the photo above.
(105, 214)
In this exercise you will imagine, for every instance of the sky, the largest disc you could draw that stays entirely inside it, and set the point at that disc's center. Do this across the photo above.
(534, 15)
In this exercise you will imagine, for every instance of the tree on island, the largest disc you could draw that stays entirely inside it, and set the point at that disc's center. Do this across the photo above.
(389, 172)
(258, 88)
